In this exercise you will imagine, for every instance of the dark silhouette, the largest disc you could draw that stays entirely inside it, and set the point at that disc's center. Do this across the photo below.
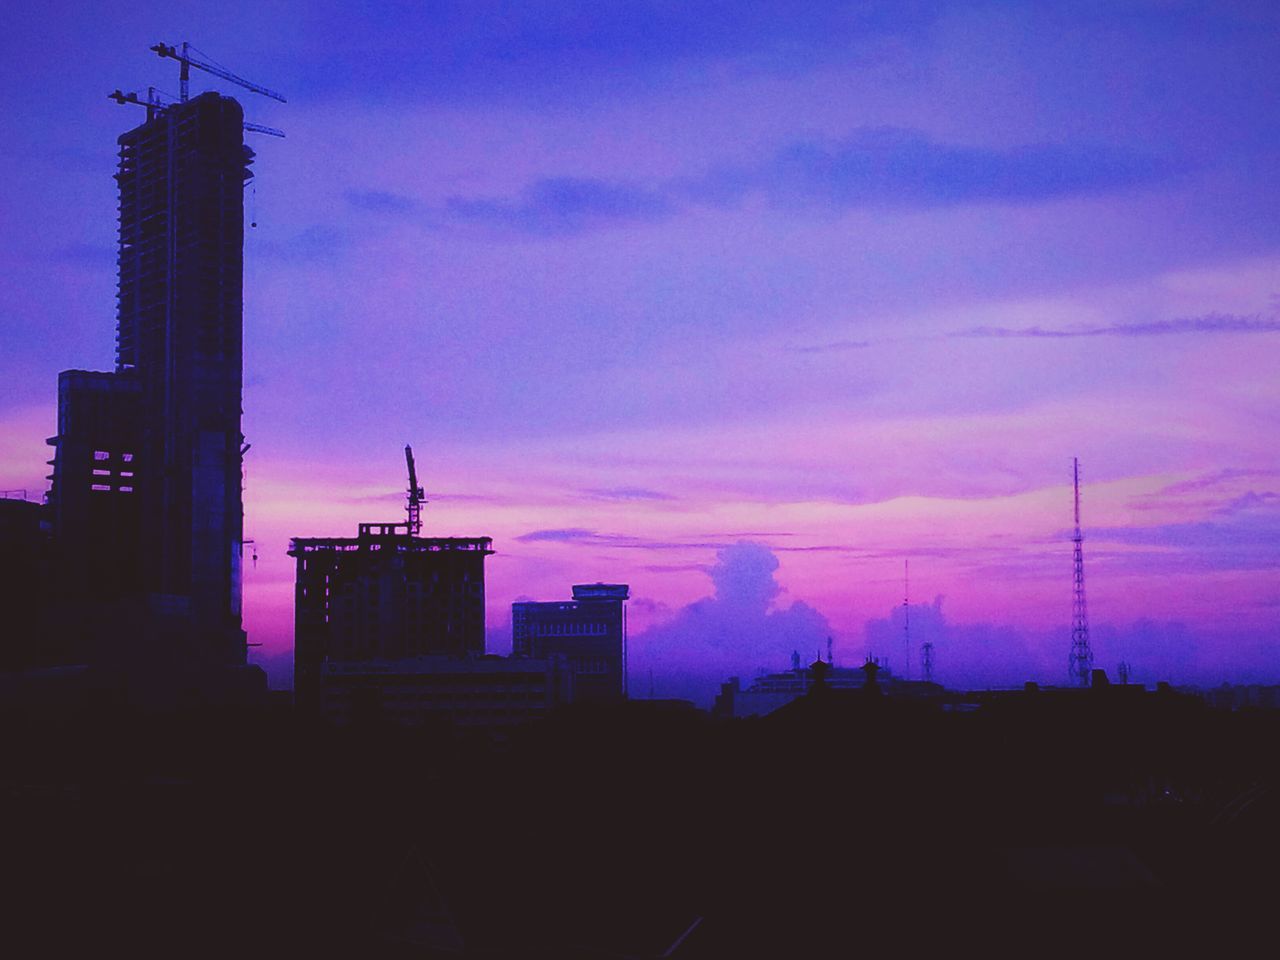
(589, 632)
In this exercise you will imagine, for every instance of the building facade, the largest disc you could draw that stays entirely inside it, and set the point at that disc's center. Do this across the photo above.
(384, 595)
(589, 632)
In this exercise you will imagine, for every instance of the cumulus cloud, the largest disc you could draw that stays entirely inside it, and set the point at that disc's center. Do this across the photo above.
(972, 655)
(741, 629)
(989, 655)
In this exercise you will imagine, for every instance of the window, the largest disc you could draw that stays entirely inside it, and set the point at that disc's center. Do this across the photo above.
(102, 473)
(126, 489)
(99, 486)
(127, 457)
(101, 455)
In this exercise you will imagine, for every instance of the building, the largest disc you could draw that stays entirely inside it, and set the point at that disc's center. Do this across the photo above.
(384, 595)
(94, 498)
(146, 495)
(464, 692)
(589, 631)
(768, 692)
(26, 556)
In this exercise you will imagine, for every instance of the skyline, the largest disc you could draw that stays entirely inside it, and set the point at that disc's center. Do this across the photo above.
(806, 291)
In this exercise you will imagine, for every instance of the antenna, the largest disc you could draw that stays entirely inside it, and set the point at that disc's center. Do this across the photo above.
(1080, 661)
(906, 619)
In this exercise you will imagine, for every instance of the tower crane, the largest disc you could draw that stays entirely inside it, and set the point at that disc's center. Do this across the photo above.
(184, 57)
(155, 104)
(416, 496)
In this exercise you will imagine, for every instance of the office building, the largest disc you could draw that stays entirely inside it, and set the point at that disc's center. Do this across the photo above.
(589, 631)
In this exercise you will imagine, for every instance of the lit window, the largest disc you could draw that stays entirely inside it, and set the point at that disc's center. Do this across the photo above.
(101, 455)
(102, 473)
(99, 486)
(126, 489)
(127, 457)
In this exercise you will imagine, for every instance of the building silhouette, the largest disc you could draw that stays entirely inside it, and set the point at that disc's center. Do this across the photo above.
(145, 499)
(26, 566)
(466, 692)
(384, 595)
(589, 631)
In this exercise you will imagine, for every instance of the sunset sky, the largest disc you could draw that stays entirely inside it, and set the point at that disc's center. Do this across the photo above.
(741, 303)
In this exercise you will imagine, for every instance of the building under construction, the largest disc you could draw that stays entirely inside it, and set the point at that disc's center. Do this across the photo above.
(384, 595)
(146, 486)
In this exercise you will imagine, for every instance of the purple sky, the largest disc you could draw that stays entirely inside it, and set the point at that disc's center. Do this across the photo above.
(738, 302)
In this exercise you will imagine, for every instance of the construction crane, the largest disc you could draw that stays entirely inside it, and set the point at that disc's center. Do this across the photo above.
(187, 61)
(416, 496)
(155, 104)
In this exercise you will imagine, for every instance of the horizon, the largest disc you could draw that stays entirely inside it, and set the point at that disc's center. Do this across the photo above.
(740, 310)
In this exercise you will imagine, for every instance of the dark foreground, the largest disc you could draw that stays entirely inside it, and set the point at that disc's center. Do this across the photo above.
(842, 824)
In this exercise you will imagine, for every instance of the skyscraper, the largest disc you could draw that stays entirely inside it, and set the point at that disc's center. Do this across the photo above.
(175, 396)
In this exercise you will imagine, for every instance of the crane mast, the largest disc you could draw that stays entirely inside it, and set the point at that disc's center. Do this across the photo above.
(416, 495)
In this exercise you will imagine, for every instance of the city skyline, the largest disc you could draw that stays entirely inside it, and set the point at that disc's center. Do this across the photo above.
(753, 309)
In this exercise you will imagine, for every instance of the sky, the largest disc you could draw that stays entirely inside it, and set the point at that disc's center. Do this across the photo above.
(741, 303)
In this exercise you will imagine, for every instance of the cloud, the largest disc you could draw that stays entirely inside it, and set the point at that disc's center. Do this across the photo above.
(738, 630)
(381, 201)
(563, 205)
(872, 168)
(1243, 534)
(1209, 323)
(974, 655)
(986, 655)
(891, 167)
(836, 346)
(538, 50)
(567, 535)
(626, 494)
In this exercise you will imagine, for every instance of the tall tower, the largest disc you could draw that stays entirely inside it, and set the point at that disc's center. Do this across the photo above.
(1080, 663)
(179, 336)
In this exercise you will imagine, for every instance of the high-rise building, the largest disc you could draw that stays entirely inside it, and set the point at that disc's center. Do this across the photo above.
(384, 595)
(589, 631)
(146, 495)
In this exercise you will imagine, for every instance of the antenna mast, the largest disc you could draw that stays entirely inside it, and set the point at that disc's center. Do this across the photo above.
(906, 618)
(1080, 663)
